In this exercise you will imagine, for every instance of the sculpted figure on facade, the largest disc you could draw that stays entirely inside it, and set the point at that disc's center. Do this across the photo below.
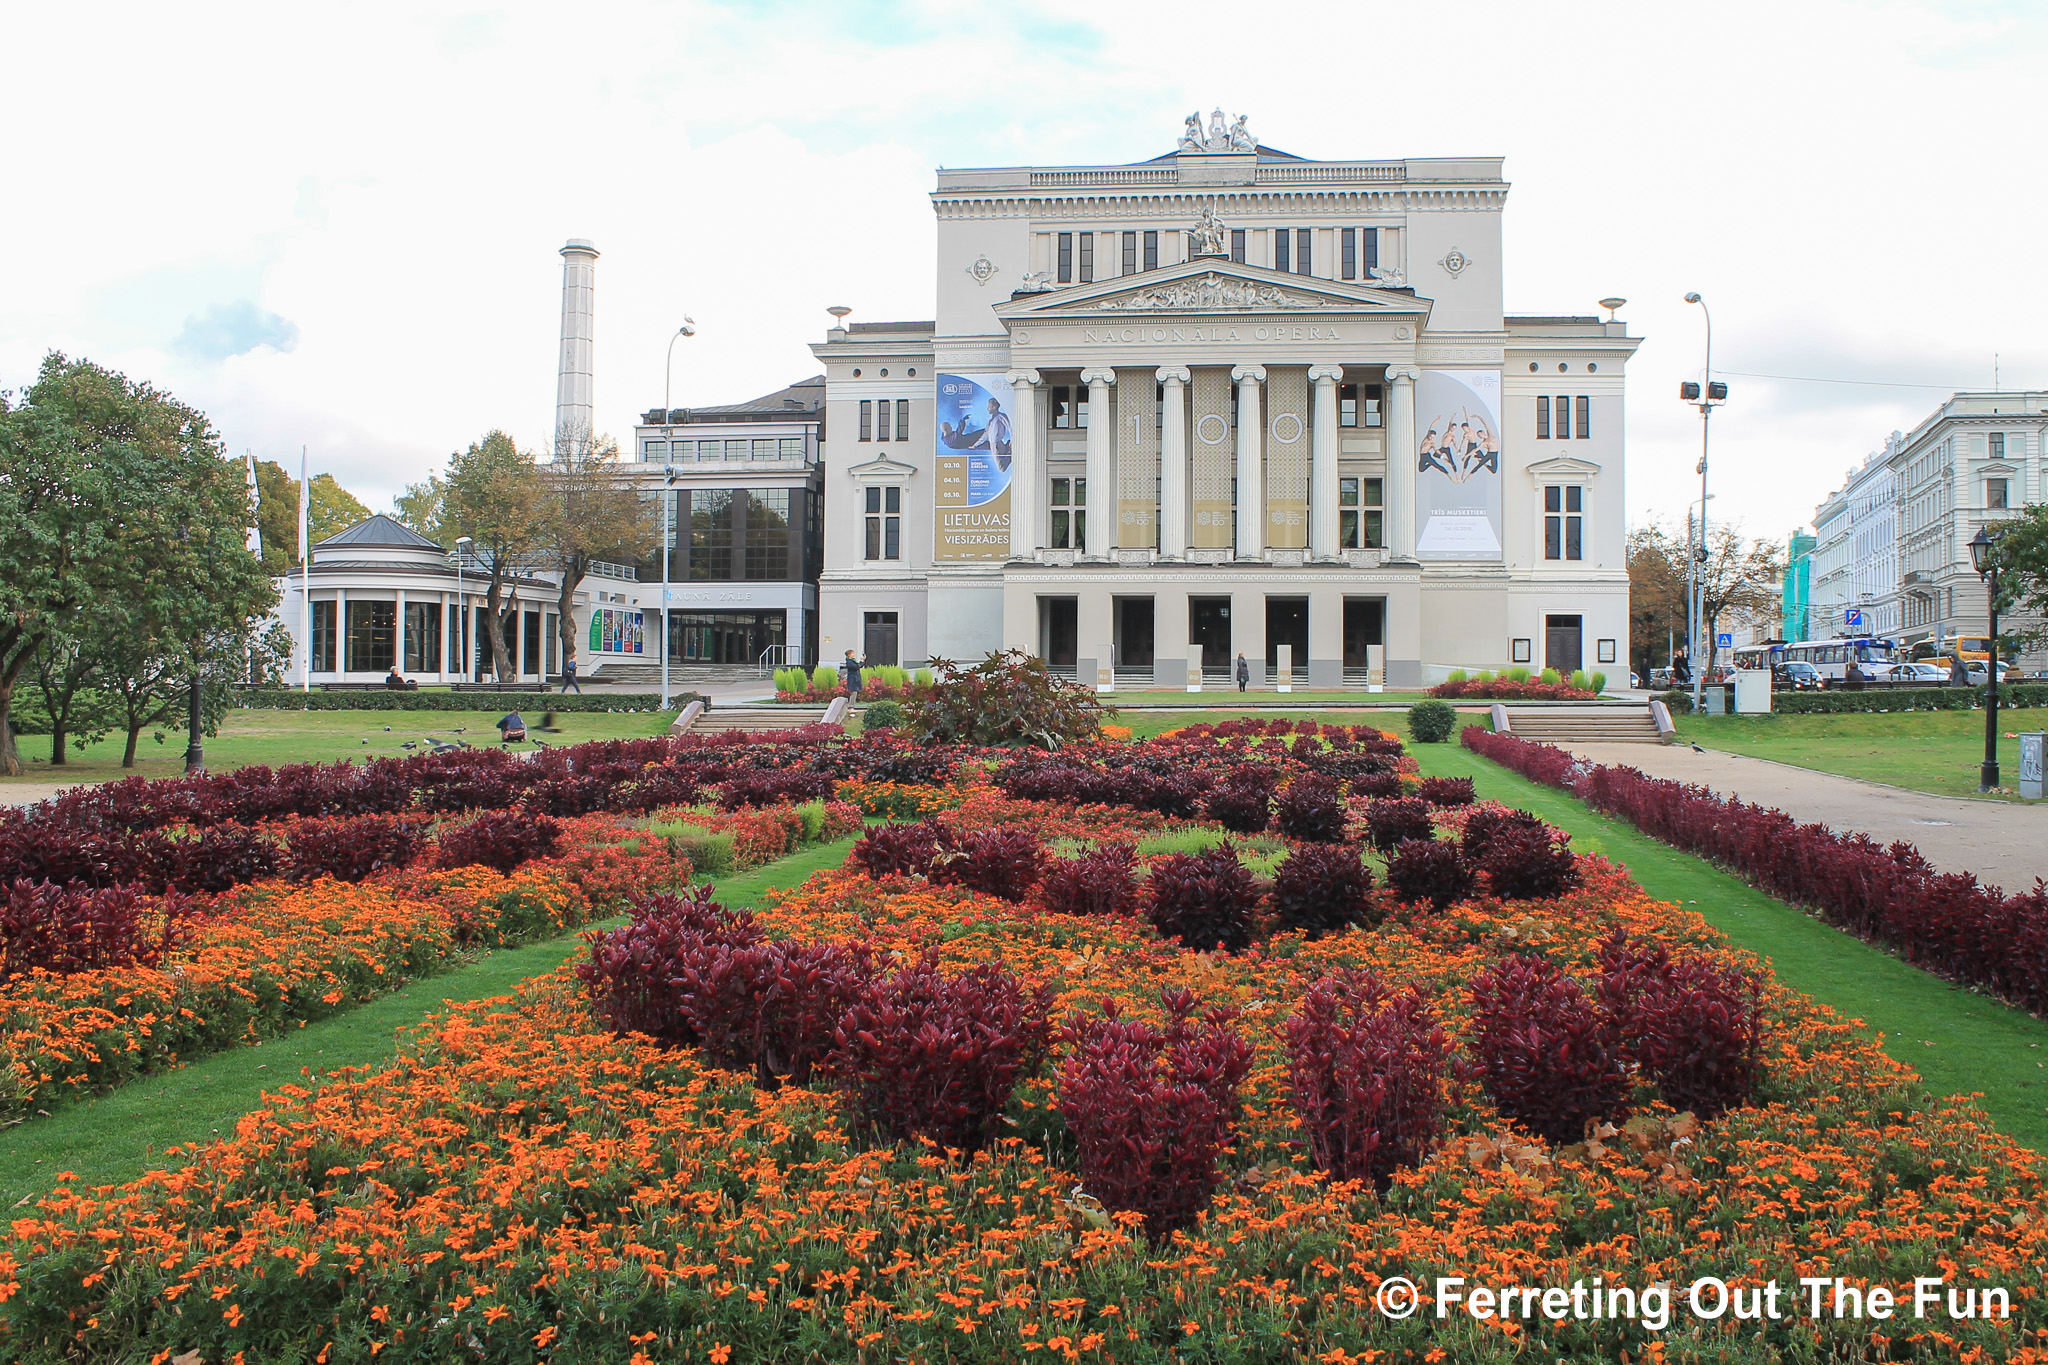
(1211, 291)
(1034, 282)
(1389, 277)
(1241, 139)
(1217, 137)
(1191, 136)
(1208, 233)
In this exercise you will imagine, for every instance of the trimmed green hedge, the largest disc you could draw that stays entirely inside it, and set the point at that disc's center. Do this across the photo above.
(277, 699)
(2018, 696)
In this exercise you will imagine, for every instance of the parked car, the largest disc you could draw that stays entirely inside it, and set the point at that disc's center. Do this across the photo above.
(1632, 679)
(1795, 676)
(1979, 674)
(1914, 674)
(1660, 680)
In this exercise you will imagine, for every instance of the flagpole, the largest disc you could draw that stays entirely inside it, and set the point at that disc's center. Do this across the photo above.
(305, 581)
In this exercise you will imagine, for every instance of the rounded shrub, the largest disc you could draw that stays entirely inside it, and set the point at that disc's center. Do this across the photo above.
(499, 839)
(1431, 721)
(1005, 862)
(1204, 900)
(1523, 864)
(1446, 791)
(1310, 808)
(1393, 820)
(1102, 881)
(1429, 872)
(881, 715)
(1545, 1050)
(1243, 804)
(1679, 702)
(1322, 888)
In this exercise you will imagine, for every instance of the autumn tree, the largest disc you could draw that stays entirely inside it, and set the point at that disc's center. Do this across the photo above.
(494, 494)
(594, 512)
(1741, 578)
(1656, 596)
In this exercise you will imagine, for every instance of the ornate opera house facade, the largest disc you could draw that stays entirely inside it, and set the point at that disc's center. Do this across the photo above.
(1221, 402)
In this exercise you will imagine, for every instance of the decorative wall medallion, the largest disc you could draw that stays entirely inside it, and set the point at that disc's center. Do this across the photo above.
(1286, 428)
(1210, 291)
(1020, 338)
(983, 270)
(1402, 333)
(1454, 262)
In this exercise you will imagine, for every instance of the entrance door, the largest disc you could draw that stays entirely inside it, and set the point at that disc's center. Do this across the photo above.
(1209, 627)
(1134, 632)
(1563, 643)
(1364, 629)
(1059, 631)
(1287, 624)
(878, 637)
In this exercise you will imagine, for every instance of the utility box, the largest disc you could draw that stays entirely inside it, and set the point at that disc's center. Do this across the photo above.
(1753, 691)
(1283, 668)
(2031, 760)
(1195, 668)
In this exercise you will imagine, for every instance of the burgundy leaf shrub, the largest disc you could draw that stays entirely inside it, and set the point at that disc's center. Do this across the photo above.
(1310, 808)
(1430, 872)
(1446, 791)
(888, 850)
(1323, 888)
(634, 973)
(1375, 785)
(1205, 900)
(1102, 881)
(1366, 1067)
(219, 858)
(1481, 824)
(772, 1008)
(1523, 864)
(66, 929)
(924, 1055)
(1243, 804)
(1693, 1027)
(773, 788)
(1544, 1050)
(1392, 821)
(500, 839)
(1005, 862)
(349, 850)
(1151, 1110)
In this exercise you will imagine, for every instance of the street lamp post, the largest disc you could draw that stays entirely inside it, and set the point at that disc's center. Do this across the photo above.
(461, 611)
(668, 492)
(1706, 399)
(1984, 556)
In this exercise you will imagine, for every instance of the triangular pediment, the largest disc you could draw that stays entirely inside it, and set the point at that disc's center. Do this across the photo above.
(882, 467)
(1209, 285)
(1563, 467)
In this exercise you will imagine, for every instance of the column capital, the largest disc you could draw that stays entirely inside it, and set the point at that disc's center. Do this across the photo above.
(1255, 374)
(1175, 374)
(1325, 374)
(1098, 376)
(1402, 374)
(1023, 377)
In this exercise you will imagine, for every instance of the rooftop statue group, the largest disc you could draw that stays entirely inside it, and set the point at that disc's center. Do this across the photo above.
(1235, 138)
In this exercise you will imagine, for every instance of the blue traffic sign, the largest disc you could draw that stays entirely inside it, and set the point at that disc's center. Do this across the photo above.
(1724, 640)
(1854, 617)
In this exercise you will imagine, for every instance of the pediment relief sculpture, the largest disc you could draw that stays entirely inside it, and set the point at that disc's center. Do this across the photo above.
(1209, 292)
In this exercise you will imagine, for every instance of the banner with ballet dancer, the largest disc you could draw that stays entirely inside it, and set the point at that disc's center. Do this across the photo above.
(971, 492)
(1457, 465)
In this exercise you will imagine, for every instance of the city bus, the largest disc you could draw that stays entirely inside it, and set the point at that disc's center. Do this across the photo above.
(1830, 658)
(1769, 654)
(1974, 649)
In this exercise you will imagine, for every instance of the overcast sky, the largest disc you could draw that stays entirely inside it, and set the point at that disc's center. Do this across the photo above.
(338, 225)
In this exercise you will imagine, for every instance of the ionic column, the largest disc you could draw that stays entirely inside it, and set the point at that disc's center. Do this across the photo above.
(1400, 490)
(1173, 465)
(1101, 490)
(1322, 463)
(1251, 464)
(1027, 479)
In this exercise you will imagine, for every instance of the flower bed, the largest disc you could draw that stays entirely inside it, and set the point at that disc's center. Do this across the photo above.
(1506, 689)
(1945, 922)
(524, 1183)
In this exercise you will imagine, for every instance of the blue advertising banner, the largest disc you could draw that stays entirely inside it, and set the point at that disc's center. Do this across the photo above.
(976, 413)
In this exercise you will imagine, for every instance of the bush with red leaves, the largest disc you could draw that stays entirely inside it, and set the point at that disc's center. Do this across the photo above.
(1430, 872)
(219, 859)
(351, 849)
(1347, 766)
(1366, 1069)
(1544, 1050)
(1205, 900)
(772, 1008)
(1151, 1110)
(1375, 785)
(1243, 804)
(1446, 791)
(65, 929)
(1694, 1027)
(1310, 809)
(1005, 862)
(772, 787)
(924, 1055)
(1102, 881)
(1481, 824)
(1322, 888)
(890, 850)
(500, 839)
(633, 971)
(1524, 864)
(1394, 820)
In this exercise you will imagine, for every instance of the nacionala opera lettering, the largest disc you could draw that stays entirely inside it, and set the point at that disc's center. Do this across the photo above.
(1118, 336)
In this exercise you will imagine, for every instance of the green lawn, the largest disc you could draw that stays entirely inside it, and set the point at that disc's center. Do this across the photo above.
(1260, 697)
(1930, 751)
(276, 737)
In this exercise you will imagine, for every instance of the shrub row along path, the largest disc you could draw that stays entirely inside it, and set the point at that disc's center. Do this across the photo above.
(116, 1137)
(1994, 839)
(1960, 1042)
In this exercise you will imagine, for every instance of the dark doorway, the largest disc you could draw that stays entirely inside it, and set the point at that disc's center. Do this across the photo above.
(1209, 627)
(1059, 631)
(878, 637)
(1134, 632)
(1365, 626)
(1563, 643)
(1287, 624)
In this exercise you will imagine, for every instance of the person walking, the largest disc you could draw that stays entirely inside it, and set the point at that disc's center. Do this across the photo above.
(1244, 671)
(1681, 668)
(849, 673)
(569, 682)
(1958, 671)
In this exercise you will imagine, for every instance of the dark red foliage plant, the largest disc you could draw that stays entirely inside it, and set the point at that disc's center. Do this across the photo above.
(1446, 791)
(921, 1054)
(500, 839)
(1525, 864)
(65, 929)
(772, 787)
(1310, 808)
(1393, 820)
(1482, 823)
(1005, 862)
(1323, 888)
(1205, 900)
(1693, 1027)
(351, 849)
(1544, 1050)
(1243, 804)
(220, 858)
(1102, 881)
(1375, 785)
(889, 850)
(1366, 1067)
(1152, 1110)
(1430, 872)
(634, 972)
(772, 1008)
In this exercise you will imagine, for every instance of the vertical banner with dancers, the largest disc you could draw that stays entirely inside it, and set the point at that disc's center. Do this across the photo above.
(1457, 465)
(971, 459)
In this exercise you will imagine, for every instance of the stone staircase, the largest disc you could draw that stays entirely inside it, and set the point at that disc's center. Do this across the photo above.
(1568, 729)
(697, 720)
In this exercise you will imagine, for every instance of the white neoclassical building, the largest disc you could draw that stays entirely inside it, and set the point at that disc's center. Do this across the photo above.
(1221, 402)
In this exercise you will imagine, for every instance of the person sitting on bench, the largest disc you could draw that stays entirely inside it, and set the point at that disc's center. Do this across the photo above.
(393, 681)
(512, 728)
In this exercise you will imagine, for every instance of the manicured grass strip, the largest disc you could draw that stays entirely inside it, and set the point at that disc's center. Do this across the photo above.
(115, 1137)
(1959, 1041)
(1927, 751)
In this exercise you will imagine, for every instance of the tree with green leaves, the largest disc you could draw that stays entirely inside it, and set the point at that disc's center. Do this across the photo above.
(2022, 557)
(419, 507)
(331, 510)
(116, 503)
(1742, 579)
(594, 512)
(493, 493)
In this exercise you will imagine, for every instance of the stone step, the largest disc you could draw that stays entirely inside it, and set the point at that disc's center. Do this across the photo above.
(1565, 729)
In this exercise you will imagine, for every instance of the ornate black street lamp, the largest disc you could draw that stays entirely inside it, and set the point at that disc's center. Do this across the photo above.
(1984, 556)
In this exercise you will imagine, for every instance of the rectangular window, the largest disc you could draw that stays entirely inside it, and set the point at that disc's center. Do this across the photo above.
(1564, 417)
(1303, 239)
(881, 419)
(1347, 254)
(1563, 505)
(1130, 261)
(768, 533)
(867, 420)
(884, 521)
(711, 513)
(1152, 251)
(372, 633)
(654, 452)
(1996, 493)
(1997, 445)
(1237, 245)
(763, 448)
(529, 648)
(1372, 405)
(737, 449)
(1087, 257)
(1369, 255)
(323, 637)
(1347, 405)
(423, 637)
(1283, 253)
(1584, 405)
(1066, 259)
(903, 419)
(1359, 513)
(1543, 417)
(789, 448)
(1069, 503)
